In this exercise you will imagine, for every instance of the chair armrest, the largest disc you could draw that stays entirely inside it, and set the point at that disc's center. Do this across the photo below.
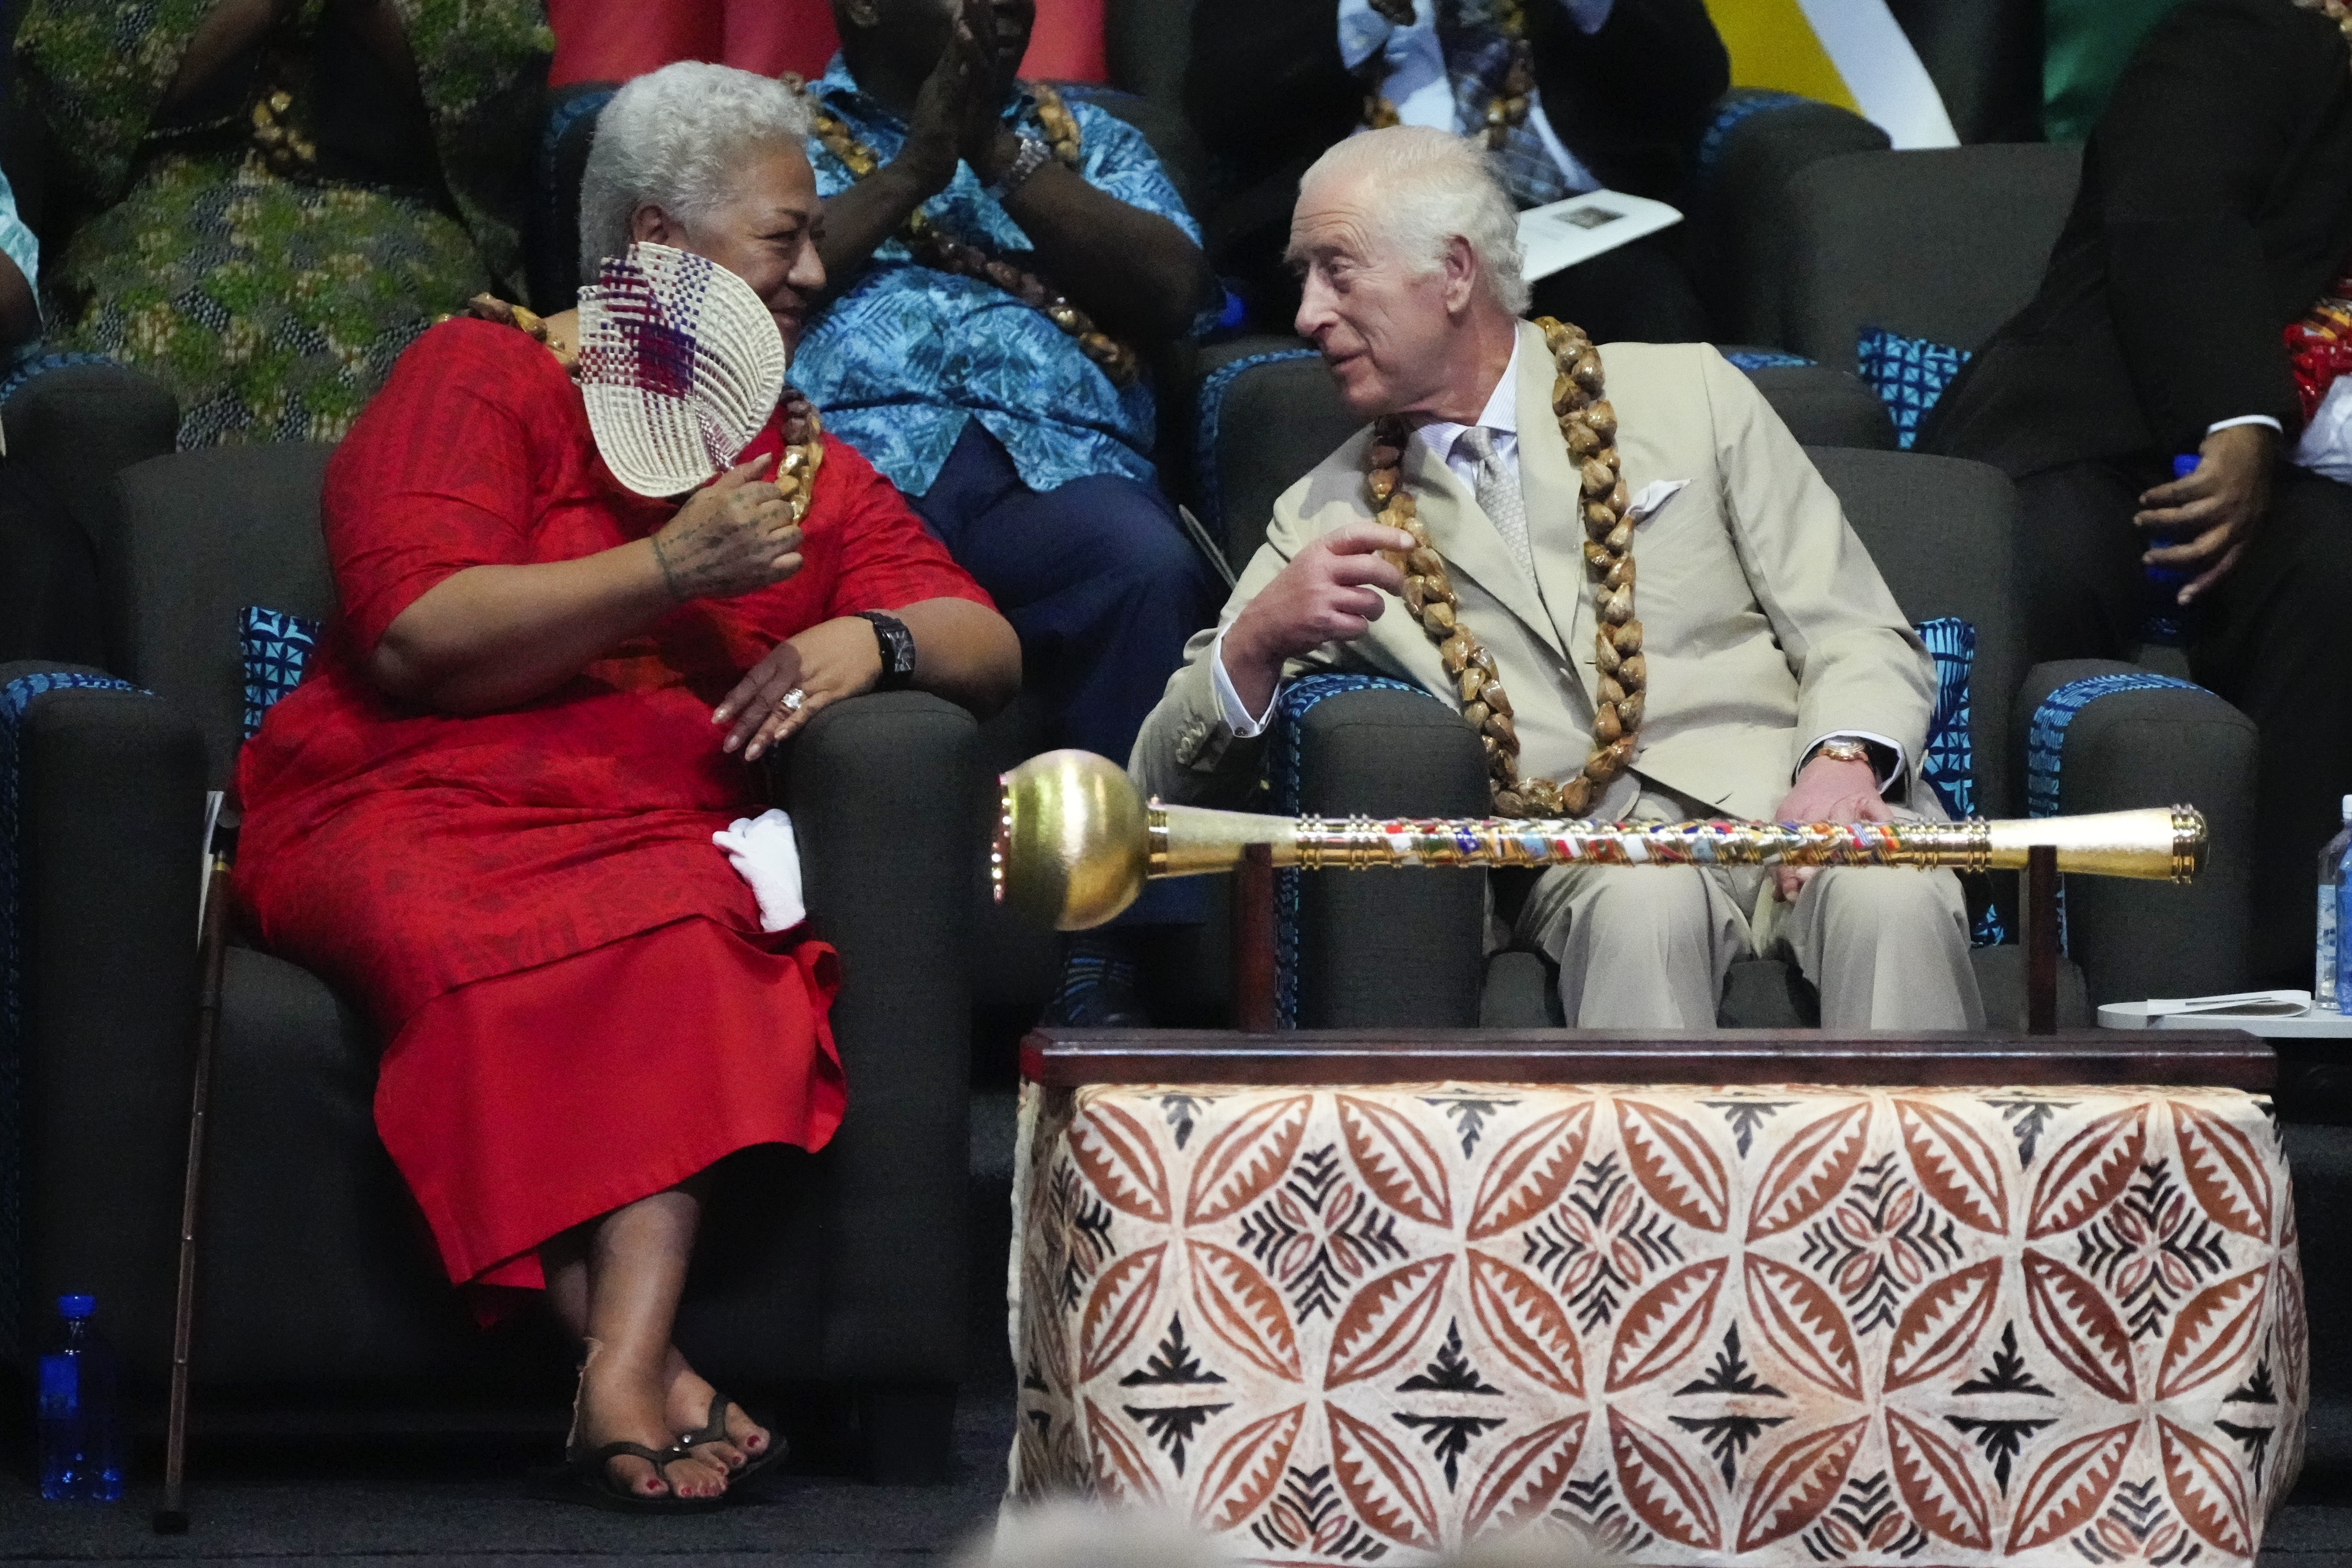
(1401, 949)
(886, 795)
(98, 921)
(2173, 746)
(1823, 405)
(1739, 230)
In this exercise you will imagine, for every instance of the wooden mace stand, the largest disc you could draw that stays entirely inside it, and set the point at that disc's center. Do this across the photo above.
(1257, 1052)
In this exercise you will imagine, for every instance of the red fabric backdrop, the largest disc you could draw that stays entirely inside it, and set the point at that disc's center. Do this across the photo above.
(611, 40)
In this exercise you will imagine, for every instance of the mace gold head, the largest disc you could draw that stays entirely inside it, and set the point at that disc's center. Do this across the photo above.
(1072, 849)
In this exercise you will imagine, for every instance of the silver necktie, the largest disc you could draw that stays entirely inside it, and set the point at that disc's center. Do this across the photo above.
(1497, 490)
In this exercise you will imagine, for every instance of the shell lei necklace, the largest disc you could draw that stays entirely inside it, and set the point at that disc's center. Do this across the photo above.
(1506, 110)
(803, 432)
(1588, 425)
(936, 250)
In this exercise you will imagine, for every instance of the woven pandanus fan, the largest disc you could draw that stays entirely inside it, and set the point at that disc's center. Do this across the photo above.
(1075, 842)
(681, 365)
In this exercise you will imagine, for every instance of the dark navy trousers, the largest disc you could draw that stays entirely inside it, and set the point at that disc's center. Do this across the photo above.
(1103, 586)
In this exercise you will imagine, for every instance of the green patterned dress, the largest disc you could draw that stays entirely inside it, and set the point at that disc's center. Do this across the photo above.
(272, 292)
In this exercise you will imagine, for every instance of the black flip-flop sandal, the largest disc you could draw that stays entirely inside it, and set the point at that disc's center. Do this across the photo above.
(587, 1478)
(715, 1431)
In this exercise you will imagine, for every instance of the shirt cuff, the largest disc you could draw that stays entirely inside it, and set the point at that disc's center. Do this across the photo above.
(1236, 717)
(2246, 419)
(1589, 15)
(1893, 749)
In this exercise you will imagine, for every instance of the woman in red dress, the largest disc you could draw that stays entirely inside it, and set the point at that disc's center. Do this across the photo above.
(488, 812)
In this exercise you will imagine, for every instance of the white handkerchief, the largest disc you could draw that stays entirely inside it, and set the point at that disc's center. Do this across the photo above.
(1651, 497)
(765, 854)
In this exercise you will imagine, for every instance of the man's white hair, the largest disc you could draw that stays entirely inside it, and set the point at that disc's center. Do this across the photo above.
(1430, 188)
(675, 139)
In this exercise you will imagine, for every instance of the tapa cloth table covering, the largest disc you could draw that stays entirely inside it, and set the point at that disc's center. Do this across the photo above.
(1690, 1325)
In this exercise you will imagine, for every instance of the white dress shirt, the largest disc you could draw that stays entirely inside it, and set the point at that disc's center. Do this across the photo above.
(1500, 420)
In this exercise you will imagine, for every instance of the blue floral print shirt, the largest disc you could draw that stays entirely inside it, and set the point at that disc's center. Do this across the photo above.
(18, 244)
(907, 355)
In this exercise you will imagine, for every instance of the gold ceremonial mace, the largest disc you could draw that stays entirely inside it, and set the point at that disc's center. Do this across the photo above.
(1075, 842)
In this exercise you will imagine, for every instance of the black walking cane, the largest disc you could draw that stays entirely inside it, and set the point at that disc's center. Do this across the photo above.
(172, 1519)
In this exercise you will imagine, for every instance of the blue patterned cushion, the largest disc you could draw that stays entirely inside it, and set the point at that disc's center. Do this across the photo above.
(1949, 761)
(277, 648)
(1907, 374)
(1949, 764)
(1753, 359)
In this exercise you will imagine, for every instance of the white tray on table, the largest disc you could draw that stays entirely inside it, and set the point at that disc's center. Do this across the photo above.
(2273, 1015)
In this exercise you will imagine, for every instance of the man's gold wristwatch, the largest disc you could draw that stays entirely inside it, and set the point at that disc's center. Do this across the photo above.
(1843, 750)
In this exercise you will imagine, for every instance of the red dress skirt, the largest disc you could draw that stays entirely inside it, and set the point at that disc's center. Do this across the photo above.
(582, 1008)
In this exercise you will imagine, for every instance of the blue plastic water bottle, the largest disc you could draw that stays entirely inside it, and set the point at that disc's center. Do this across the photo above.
(81, 1448)
(2164, 624)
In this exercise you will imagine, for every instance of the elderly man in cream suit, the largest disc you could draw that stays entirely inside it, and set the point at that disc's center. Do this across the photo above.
(1783, 683)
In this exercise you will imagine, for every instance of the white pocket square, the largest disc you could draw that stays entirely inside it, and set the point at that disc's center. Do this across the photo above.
(1651, 497)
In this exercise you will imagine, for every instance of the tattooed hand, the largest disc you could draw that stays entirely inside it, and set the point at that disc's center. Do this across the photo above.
(735, 536)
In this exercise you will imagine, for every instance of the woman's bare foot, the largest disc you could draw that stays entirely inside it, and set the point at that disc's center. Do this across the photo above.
(688, 1409)
(618, 1403)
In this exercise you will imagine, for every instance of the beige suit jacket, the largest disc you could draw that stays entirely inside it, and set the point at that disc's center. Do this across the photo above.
(1766, 624)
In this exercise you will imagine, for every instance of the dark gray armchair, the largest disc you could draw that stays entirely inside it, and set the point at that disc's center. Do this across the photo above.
(321, 1301)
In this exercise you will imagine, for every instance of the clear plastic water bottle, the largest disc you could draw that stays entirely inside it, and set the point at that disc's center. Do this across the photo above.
(2344, 926)
(81, 1439)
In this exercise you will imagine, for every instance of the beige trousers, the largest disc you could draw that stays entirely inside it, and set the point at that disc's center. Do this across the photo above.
(1647, 947)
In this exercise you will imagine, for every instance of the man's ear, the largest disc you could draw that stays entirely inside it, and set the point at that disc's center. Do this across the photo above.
(1461, 267)
(651, 223)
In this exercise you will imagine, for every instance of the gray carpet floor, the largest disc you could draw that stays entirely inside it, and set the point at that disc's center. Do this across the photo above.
(359, 1515)
(356, 1514)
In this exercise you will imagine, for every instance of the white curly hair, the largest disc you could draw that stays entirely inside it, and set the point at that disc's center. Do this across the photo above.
(1434, 187)
(675, 139)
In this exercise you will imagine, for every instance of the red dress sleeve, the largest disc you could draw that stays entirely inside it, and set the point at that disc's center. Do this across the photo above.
(436, 475)
(887, 558)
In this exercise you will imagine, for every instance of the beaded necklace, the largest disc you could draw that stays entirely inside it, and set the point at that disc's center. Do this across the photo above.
(1588, 425)
(1508, 109)
(936, 250)
(803, 432)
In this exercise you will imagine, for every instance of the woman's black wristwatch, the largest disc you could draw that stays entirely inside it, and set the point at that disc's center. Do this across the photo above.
(897, 651)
